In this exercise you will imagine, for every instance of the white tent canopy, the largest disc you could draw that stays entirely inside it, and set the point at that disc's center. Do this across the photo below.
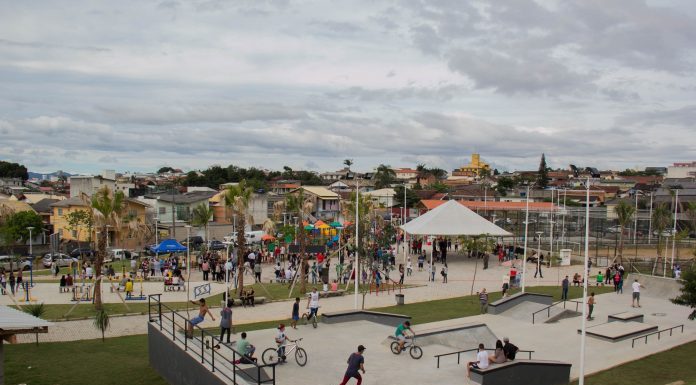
(452, 218)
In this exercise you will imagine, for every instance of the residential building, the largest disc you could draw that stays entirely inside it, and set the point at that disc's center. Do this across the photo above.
(258, 209)
(344, 173)
(382, 197)
(682, 170)
(118, 237)
(176, 208)
(89, 184)
(326, 202)
(405, 173)
(474, 169)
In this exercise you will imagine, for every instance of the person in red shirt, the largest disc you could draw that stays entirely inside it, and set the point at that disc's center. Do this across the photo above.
(513, 276)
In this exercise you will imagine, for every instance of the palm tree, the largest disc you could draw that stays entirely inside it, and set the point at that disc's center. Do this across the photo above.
(384, 176)
(201, 216)
(422, 171)
(348, 163)
(624, 212)
(106, 211)
(661, 218)
(302, 206)
(237, 198)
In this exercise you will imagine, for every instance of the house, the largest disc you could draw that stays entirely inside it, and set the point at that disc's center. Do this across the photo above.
(682, 170)
(382, 197)
(326, 202)
(44, 209)
(15, 206)
(134, 211)
(344, 173)
(350, 185)
(283, 187)
(176, 208)
(405, 173)
(258, 209)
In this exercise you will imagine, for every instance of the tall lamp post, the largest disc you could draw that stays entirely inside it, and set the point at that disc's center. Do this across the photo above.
(581, 380)
(31, 257)
(526, 230)
(188, 262)
(538, 261)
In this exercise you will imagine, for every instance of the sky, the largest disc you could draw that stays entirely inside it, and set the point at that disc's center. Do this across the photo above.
(136, 85)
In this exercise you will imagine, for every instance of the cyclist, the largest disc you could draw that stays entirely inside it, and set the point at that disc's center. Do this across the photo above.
(281, 339)
(401, 334)
(313, 303)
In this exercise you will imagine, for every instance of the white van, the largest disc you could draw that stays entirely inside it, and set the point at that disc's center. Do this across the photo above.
(251, 237)
(120, 254)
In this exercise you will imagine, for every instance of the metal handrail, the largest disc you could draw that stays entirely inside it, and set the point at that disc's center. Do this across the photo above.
(659, 333)
(211, 361)
(548, 308)
(459, 353)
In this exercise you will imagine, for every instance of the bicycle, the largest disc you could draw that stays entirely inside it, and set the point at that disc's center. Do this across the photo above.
(305, 318)
(272, 356)
(414, 350)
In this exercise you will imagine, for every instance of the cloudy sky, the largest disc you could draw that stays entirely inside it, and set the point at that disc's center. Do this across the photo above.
(134, 85)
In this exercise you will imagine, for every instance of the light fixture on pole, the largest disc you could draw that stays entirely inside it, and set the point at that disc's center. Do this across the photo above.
(526, 229)
(31, 257)
(581, 380)
(674, 230)
(188, 258)
(357, 240)
(403, 222)
(156, 237)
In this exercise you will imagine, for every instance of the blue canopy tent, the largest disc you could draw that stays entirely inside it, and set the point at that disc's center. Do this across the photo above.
(168, 246)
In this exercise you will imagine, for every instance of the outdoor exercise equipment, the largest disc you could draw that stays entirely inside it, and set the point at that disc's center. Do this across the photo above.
(27, 293)
(140, 297)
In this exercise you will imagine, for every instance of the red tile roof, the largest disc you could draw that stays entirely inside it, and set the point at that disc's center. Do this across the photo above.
(494, 205)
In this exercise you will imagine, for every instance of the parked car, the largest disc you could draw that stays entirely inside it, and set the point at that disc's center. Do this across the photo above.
(614, 229)
(82, 251)
(195, 242)
(17, 263)
(665, 233)
(250, 237)
(120, 254)
(60, 259)
(216, 245)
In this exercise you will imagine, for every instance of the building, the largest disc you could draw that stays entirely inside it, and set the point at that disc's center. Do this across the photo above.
(405, 173)
(344, 173)
(382, 197)
(474, 169)
(257, 209)
(89, 184)
(176, 208)
(326, 202)
(134, 211)
(682, 170)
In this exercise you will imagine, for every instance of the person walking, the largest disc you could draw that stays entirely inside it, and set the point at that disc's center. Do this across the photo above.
(564, 285)
(444, 273)
(356, 363)
(590, 305)
(12, 283)
(636, 286)
(538, 267)
(226, 322)
(257, 272)
(295, 313)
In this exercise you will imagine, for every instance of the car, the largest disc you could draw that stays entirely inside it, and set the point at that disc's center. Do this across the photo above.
(121, 254)
(195, 241)
(60, 259)
(665, 233)
(17, 263)
(503, 221)
(216, 245)
(614, 229)
(82, 251)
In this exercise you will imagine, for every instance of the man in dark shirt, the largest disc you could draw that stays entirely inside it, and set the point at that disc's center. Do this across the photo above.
(564, 285)
(509, 349)
(356, 362)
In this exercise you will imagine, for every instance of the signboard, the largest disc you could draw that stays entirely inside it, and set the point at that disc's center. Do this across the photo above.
(565, 257)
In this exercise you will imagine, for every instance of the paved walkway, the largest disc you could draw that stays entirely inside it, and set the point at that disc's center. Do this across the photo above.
(460, 278)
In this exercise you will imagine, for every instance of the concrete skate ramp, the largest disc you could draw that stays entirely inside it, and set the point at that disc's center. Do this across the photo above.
(508, 303)
(655, 287)
(387, 319)
(619, 331)
(458, 337)
(524, 310)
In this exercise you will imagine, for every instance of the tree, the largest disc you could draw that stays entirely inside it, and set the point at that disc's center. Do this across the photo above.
(287, 173)
(411, 198)
(691, 214)
(101, 322)
(422, 172)
(504, 184)
(543, 175)
(77, 220)
(384, 176)
(439, 187)
(688, 291)
(624, 213)
(13, 170)
(164, 169)
(438, 173)
(301, 206)
(107, 207)
(348, 163)
(238, 198)
(14, 228)
(201, 216)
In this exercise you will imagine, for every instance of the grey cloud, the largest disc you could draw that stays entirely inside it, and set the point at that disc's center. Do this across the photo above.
(442, 93)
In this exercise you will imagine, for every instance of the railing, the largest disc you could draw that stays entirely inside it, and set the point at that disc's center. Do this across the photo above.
(161, 314)
(659, 333)
(548, 309)
(459, 353)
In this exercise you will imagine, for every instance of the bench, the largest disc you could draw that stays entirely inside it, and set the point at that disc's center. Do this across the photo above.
(517, 372)
(169, 286)
(257, 301)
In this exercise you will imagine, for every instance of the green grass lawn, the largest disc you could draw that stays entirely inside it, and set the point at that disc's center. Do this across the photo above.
(121, 360)
(676, 364)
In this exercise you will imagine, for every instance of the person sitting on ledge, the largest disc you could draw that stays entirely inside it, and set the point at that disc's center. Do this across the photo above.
(498, 357)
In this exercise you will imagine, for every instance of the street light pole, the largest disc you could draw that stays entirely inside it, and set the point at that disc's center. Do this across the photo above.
(188, 261)
(403, 222)
(357, 239)
(584, 286)
(31, 255)
(538, 233)
(526, 229)
(674, 231)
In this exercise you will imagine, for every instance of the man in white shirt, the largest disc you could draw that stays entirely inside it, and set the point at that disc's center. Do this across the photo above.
(481, 361)
(252, 259)
(636, 293)
(313, 303)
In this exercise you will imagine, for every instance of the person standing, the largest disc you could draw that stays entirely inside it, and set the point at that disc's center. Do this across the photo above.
(356, 363)
(432, 271)
(257, 272)
(485, 261)
(226, 321)
(590, 305)
(483, 299)
(538, 267)
(564, 285)
(205, 267)
(13, 281)
(295, 313)
(444, 273)
(401, 274)
(636, 292)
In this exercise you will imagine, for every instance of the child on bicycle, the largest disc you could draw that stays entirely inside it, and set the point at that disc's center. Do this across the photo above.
(313, 303)
(401, 334)
(281, 340)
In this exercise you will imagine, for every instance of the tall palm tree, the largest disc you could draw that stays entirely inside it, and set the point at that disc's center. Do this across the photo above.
(107, 207)
(348, 163)
(422, 172)
(661, 219)
(238, 198)
(384, 176)
(302, 206)
(624, 212)
(201, 216)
